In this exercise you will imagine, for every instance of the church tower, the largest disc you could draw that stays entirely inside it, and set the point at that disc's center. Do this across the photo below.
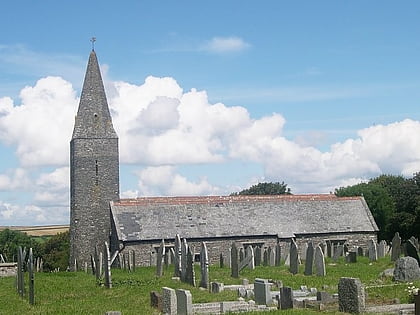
(94, 168)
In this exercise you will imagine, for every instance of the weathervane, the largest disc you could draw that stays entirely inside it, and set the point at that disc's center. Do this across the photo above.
(93, 40)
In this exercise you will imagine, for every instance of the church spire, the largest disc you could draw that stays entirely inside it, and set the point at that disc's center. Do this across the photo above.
(93, 119)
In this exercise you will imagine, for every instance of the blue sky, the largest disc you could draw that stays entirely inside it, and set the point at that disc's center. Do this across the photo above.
(209, 97)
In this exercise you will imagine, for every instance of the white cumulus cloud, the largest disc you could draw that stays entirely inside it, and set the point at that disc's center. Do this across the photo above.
(225, 45)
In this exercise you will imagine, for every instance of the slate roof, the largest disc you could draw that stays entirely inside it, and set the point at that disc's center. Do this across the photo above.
(154, 218)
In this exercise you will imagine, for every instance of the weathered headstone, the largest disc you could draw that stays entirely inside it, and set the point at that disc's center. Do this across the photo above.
(286, 298)
(169, 305)
(351, 295)
(310, 251)
(265, 257)
(217, 287)
(406, 269)
(160, 259)
(271, 257)
(338, 252)
(221, 261)
(278, 255)
(396, 247)
(329, 248)
(107, 264)
(294, 258)
(262, 292)
(319, 262)
(234, 261)
(184, 251)
(381, 248)
(360, 251)
(204, 266)
(303, 250)
(156, 300)
(184, 302)
(228, 260)
(373, 254)
(31, 278)
(248, 260)
(257, 255)
(241, 254)
(177, 258)
(411, 249)
(20, 274)
(351, 257)
(190, 273)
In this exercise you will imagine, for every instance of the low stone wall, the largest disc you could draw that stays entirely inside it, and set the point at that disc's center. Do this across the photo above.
(8, 269)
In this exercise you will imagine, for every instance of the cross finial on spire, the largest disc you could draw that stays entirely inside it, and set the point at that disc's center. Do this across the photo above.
(93, 40)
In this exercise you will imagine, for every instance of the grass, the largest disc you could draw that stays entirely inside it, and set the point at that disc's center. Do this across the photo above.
(78, 293)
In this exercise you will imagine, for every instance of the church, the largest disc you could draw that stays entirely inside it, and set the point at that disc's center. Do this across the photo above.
(97, 214)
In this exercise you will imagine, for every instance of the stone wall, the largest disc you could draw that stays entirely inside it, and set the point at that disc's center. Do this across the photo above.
(8, 269)
(216, 246)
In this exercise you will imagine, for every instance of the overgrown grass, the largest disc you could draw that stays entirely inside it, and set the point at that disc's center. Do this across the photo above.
(78, 293)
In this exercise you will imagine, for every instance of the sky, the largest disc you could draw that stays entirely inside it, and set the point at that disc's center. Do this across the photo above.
(209, 97)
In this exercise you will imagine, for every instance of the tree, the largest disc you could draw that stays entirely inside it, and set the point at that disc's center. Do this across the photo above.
(10, 240)
(56, 252)
(271, 188)
(378, 200)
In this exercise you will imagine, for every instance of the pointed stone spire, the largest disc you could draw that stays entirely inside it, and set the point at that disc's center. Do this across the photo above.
(93, 118)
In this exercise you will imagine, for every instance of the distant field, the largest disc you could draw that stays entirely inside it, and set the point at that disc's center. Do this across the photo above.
(38, 230)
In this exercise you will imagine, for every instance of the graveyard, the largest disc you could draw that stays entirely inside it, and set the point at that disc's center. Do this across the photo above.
(141, 290)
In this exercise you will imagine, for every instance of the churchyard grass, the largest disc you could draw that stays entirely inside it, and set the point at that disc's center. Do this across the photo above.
(78, 292)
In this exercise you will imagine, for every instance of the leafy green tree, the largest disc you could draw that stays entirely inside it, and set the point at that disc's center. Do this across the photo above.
(271, 188)
(377, 198)
(10, 240)
(56, 252)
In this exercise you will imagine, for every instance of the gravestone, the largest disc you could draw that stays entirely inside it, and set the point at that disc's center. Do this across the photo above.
(20, 272)
(323, 247)
(257, 255)
(234, 261)
(184, 302)
(241, 254)
(406, 269)
(169, 305)
(396, 247)
(329, 249)
(189, 272)
(373, 254)
(294, 259)
(415, 241)
(228, 261)
(184, 251)
(319, 262)
(262, 292)
(338, 252)
(217, 287)
(221, 261)
(160, 258)
(309, 259)
(204, 266)
(107, 264)
(360, 251)
(351, 296)
(156, 300)
(248, 260)
(411, 249)
(351, 257)
(381, 248)
(278, 255)
(265, 257)
(271, 257)
(31, 278)
(303, 250)
(177, 258)
(286, 298)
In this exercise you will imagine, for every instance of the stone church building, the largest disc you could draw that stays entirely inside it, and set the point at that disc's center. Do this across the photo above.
(97, 214)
